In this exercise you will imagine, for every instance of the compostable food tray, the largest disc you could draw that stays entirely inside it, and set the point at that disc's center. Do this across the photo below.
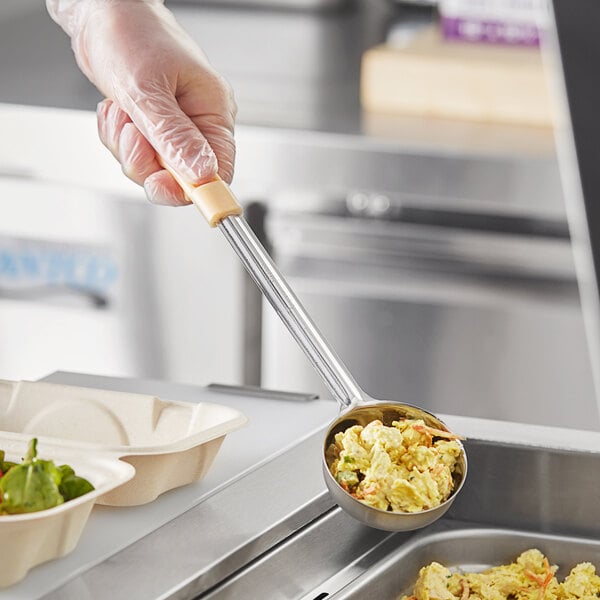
(169, 443)
(29, 539)
(198, 511)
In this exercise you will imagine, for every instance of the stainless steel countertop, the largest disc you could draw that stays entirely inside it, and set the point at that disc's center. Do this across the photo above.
(190, 539)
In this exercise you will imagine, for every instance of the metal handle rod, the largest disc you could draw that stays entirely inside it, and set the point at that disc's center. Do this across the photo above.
(277, 291)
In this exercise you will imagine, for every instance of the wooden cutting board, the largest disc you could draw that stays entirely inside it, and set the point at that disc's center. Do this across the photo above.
(430, 76)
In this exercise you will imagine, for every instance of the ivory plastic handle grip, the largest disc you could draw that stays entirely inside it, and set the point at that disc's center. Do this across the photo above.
(214, 199)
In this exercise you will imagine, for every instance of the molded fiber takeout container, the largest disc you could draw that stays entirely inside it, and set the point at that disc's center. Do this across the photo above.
(169, 443)
(33, 538)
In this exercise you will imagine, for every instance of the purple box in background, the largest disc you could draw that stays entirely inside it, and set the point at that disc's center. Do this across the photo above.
(508, 22)
(490, 32)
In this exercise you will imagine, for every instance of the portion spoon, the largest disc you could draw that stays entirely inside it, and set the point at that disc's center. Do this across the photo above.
(221, 209)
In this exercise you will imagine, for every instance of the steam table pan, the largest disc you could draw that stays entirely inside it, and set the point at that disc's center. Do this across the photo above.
(169, 443)
(467, 547)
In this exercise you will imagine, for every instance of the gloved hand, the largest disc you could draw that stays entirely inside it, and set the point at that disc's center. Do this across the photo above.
(163, 96)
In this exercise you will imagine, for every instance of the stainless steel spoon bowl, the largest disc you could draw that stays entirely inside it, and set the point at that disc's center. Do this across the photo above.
(387, 413)
(216, 201)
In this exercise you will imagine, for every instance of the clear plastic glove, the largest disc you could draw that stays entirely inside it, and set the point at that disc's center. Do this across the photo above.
(163, 96)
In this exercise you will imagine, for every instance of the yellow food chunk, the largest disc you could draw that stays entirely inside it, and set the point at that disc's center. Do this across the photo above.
(530, 577)
(433, 583)
(397, 468)
(581, 583)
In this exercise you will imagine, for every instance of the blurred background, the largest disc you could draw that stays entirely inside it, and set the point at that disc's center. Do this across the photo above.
(399, 161)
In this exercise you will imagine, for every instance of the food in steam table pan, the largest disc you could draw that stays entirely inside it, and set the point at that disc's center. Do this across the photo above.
(530, 577)
(405, 468)
(35, 484)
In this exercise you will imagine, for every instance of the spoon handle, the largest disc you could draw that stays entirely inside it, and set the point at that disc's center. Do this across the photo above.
(220, 208)
(281, 297)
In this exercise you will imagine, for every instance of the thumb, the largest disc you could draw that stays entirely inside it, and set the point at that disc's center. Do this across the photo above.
(175, 138)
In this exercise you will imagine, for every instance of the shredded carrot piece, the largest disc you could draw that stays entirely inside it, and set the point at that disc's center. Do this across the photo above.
(367, 491)
(371, 489)
(466, 592)
(432, 431)
(547, 580)
(437, 470)
(533, 576)
(541, 581)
